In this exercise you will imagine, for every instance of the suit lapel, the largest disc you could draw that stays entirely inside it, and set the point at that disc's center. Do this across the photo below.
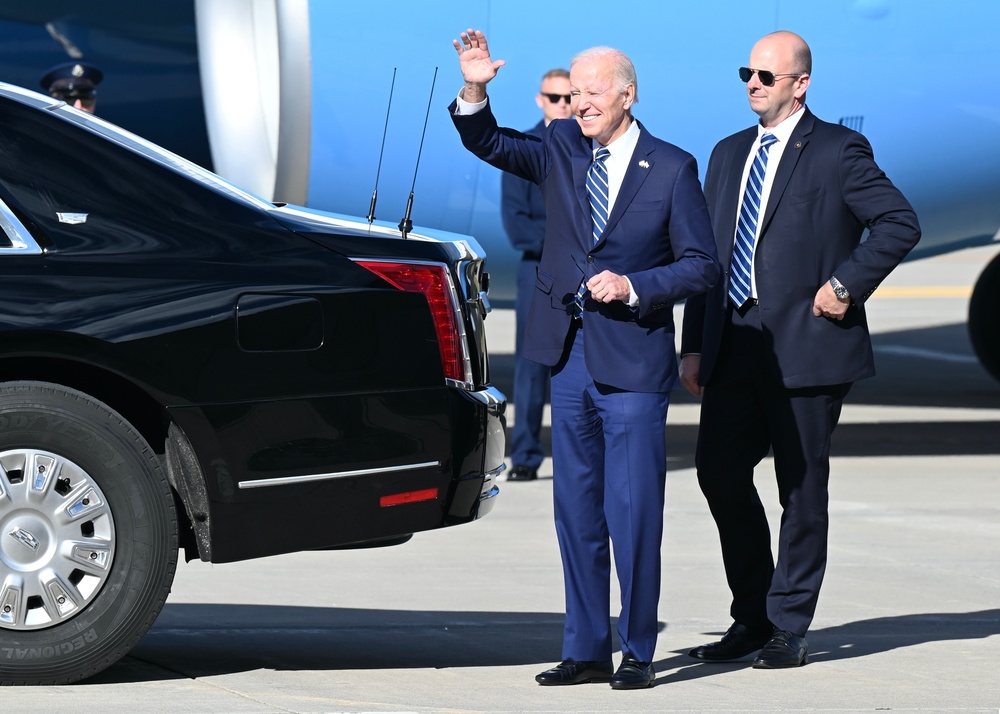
(581, 162)
(789, 158)
(731, 194)
(636, 172)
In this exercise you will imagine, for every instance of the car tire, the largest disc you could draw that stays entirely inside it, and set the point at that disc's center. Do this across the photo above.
(88, 535)
(984, 317)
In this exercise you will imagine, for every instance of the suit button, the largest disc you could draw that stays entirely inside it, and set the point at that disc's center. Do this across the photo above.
(590, 259)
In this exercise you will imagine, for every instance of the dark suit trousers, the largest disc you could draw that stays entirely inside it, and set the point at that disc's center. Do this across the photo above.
(609, 462)
(746, 411)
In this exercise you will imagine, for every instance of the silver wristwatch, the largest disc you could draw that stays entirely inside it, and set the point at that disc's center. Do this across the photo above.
(839, 290)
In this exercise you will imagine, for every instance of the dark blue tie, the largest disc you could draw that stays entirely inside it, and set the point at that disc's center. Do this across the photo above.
(746, 228)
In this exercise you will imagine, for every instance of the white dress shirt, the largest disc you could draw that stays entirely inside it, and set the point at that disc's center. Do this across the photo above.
(782, 132)
(621, 150)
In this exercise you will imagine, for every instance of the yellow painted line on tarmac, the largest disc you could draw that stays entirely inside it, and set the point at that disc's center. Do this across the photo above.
(924, 291)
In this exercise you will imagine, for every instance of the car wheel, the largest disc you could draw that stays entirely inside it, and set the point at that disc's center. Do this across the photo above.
(984, 317)
(88, 535)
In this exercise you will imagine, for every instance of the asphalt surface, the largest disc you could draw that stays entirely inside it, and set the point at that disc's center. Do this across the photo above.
(461, 620)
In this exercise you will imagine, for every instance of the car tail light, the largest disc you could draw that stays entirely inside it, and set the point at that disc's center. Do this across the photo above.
(434, 282)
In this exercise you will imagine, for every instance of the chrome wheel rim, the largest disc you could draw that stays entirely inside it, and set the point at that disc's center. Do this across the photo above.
(57, 539)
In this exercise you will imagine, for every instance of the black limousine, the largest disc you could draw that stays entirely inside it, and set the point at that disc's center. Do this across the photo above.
(186, 366)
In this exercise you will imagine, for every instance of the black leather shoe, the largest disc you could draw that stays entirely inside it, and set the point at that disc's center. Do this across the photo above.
(633, 674)
(572, 672)
(522, 473)
(784, 649)
(738, 642)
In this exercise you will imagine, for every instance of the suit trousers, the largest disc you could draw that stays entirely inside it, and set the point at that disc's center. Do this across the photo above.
(531, 379)
(747, 411)
(609, 458)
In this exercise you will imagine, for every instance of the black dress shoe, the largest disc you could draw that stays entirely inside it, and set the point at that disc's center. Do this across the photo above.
(784, 649)
(522, 473)
(572, 672)
(738, 642)
(633, 674)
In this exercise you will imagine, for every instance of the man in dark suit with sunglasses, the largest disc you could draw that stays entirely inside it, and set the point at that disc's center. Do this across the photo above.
(774, 347)
(627, 235)
(523, 211)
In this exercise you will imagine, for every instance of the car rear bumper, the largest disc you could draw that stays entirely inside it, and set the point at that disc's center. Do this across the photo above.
(476, 490)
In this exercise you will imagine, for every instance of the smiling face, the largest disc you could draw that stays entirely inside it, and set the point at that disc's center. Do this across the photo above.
(777, 53)
(600, 106)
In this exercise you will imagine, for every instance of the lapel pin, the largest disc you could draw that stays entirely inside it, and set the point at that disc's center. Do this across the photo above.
(798, 144)
(644, 164)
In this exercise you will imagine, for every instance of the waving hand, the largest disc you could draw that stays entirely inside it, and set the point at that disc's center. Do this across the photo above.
(478, 68)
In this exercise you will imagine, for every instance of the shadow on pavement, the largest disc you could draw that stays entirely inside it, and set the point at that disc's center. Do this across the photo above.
(193, 640)
(857, 639)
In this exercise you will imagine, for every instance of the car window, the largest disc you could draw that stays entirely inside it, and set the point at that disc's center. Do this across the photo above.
(133, 142)
(76, 191)
(157, 153)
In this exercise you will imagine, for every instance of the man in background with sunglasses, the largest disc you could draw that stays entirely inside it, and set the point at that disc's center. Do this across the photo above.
(774, 347)
(523, 211)
(74, 83)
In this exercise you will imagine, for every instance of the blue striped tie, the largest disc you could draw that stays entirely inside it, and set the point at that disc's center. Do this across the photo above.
(597, 189)
(746, 228)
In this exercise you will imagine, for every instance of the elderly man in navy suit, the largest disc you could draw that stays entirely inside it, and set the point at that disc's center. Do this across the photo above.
(627, 235)
(776, 345)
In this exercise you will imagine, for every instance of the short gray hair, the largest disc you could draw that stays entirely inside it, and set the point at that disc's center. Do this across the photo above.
(623, 69)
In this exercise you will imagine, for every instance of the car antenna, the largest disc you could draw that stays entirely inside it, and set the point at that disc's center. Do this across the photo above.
(406, 224)
(381, 152)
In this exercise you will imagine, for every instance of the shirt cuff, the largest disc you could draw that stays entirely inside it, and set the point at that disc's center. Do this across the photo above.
(463, 108)
(633, 297)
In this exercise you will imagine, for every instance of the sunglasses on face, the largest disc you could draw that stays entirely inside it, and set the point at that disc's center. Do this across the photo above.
(766, 78)
(87, 98)
(554, 98)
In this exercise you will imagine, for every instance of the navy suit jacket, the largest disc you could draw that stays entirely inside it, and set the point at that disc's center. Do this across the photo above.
(658, 234)
(826, 191)
(522, 209)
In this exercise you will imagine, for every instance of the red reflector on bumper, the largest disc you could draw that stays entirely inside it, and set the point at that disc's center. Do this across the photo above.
(427, 494)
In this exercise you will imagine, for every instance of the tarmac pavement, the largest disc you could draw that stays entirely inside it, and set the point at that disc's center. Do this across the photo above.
(460, 620)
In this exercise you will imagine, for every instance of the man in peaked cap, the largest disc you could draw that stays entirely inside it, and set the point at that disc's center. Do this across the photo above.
(75, 83)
